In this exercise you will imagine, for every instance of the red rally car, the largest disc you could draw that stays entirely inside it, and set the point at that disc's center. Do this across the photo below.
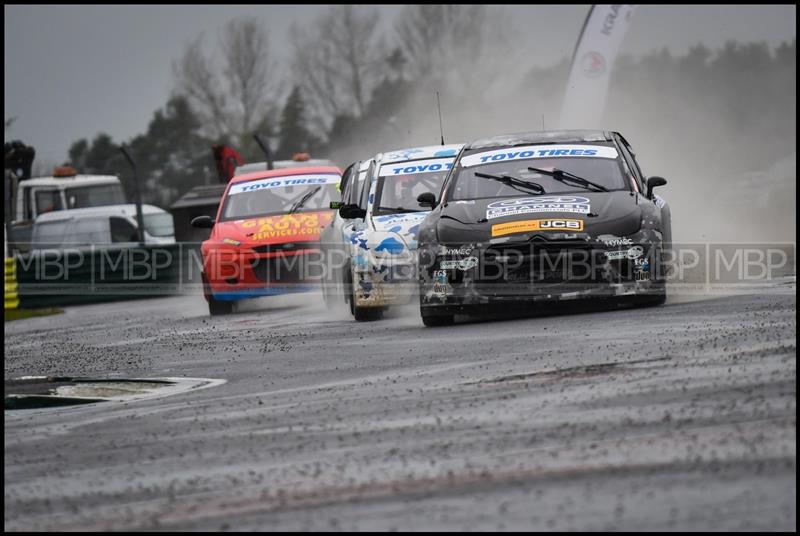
(265, 239)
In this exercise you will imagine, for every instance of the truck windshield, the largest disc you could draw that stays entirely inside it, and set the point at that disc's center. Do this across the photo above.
(94, 196)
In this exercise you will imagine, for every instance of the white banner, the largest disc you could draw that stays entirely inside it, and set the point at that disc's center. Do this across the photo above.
(598, 44)
(417, 166)
(531, 152)
(283, 182)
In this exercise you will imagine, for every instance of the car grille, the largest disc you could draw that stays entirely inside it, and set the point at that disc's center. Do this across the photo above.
(288, 268)
(289, 246)
(532, 267)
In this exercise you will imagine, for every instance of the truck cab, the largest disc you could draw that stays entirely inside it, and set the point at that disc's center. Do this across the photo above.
(64, 190)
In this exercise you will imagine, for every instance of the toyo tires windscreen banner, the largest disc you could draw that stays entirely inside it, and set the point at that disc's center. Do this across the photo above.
(598, 44)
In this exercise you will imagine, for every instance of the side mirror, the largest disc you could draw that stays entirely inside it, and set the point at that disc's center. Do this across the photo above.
(652, 182)
(351, 212)
(426, 200)
(336, 205)
(203, 222)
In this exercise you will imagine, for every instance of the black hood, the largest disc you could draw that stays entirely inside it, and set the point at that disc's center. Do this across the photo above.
(616, 213)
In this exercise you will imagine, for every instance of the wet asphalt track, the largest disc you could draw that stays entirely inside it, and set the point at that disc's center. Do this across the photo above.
(679, 417)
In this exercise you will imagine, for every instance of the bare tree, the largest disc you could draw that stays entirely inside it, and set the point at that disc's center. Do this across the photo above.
(338, 60)
(197, 80)
(439, 39)
(245, 48)
(237, 94)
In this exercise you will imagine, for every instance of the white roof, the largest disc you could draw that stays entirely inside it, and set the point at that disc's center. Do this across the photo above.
(66, 182)
(108, 210)
(419, 153)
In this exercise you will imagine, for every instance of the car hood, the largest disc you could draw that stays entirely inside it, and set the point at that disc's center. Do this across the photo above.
(519, 218)
(397, 231)
(277, 229)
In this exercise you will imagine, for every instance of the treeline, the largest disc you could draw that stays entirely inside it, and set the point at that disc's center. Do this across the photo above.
(350, 90)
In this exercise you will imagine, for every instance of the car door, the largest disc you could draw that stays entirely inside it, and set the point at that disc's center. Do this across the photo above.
(331, 242)
(353, 230)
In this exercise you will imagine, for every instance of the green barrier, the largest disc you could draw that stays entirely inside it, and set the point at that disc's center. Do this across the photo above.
(93, 275)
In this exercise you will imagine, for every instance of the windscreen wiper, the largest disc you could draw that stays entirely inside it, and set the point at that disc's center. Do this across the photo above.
(564, 176)
(513, 182)
(302, 201)
(398, 209)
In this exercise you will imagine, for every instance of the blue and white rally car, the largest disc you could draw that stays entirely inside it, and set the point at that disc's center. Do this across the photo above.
(380, 236)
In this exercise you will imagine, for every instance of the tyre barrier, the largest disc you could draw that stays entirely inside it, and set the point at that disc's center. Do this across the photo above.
(11, 287)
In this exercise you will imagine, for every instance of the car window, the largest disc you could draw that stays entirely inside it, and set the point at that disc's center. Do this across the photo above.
(346, 183)
(365, 187)
(89, 231)
(604, 171)
(632, 164)
(123, 230)
(94, 196)
(356, 189)
(48, 201)
(28, 205)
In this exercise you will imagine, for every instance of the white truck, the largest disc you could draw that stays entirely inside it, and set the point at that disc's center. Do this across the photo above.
(64, 190)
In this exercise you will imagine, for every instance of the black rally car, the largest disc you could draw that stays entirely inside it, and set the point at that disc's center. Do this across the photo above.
(550, 215)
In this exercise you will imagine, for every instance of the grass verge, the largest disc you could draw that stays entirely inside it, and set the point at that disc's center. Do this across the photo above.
(18, 314)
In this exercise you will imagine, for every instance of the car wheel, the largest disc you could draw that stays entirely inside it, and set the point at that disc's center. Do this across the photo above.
(328, 295)
(361, 314)
(435, 321)
(217, 307)
(657, 299)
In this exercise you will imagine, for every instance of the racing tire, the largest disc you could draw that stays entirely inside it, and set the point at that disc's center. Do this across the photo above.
(217, 307)
(366, 314)
(361, 314)
(435, 321)
(652, 301)
(328, 294)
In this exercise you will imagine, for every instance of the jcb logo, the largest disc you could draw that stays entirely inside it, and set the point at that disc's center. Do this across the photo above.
(525, 226)
(573, 225)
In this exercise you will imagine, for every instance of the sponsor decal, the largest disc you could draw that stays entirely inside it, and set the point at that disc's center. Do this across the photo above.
(412, 168)
(526, 205)
(457, 251)
(593, 64)
(538, 151)
(525, 226)
(440, 285)
(633, 253)
(231, 241)
(659, 201)
(403, 155)
(616, 241)
(390, 245)
(283, 182)
(302, 226)
(461, 264)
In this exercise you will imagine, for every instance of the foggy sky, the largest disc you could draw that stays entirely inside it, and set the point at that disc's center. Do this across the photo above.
(74, 71)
